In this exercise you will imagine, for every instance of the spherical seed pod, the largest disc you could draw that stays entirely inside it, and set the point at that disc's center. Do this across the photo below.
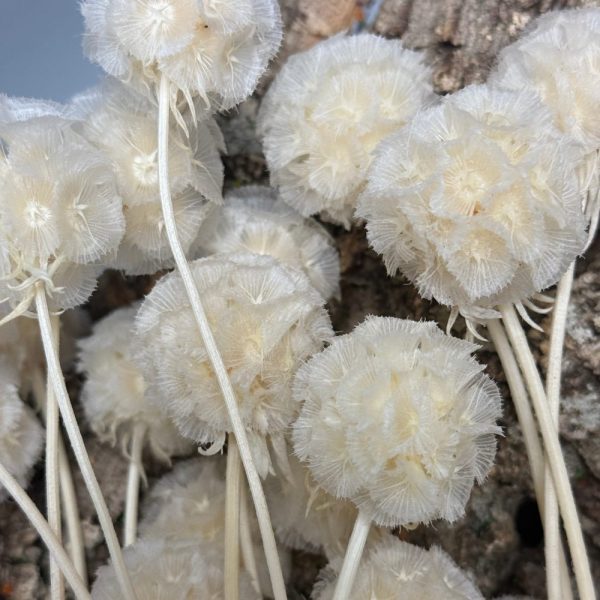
(21, 436)
(266, 320)
(114, 394)
(122, 125)
(399, 419)
(476, 201)
(326, 112)
(396, 570)
(305, 517)
(253, 219)
(60, 211)
(161, 569)
(187, 505)
(558, 57)
(216, 49)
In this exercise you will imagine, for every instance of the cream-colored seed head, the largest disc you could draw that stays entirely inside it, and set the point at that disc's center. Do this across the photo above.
(306, 517)
(476, 201)
(399, 419)
(114, 394)
(395, 570)
(254, 220)
(162, 570)
(214, 49)
(266, 320)
(21, 436)
(122, 125)
(326, 112)
(559, 58)
(60, 212)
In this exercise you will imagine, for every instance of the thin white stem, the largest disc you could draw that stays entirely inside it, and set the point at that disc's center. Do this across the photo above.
(233, 478)
(560, 476)
(57, 582)
(553, 380)
(81, 455)
(356, 545)
(533, 445)
(247, 546)
(70, 510)
(41, 525)
(133, 484)
(71, 513)
(258, 496)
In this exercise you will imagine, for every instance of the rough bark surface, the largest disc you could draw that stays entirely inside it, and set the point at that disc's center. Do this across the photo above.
(500, 540)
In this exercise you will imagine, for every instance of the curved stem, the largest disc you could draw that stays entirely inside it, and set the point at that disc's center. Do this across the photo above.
(71, 512)
(41, 525)
(247, 546)
(233, 477)
(556, 460)
(133, 484)
(57, 583)
(356, 545)
(83, 460)
(258, 496)
(533, 446)
(553, 380)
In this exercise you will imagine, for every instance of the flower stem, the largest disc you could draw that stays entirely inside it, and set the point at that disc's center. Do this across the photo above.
(553, 380)
(57, 583)
(133, 484)
(556, 460)
(247, 546)
(41, 525)
(533, 446)
(233, 479)
(356, 545)
(258, 496)
(60, 390)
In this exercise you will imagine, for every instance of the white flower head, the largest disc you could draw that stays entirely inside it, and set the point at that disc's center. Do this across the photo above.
(266, 320)
(214, 49)
(399, 419)
(114, 394)
(253, 219)
(21, 435)
(305, 516)
(60, 211)
(122, 125)
(396, 570)
(162, 570)
(558, 57)
(476, 201)
(188, 506)
(326, 112)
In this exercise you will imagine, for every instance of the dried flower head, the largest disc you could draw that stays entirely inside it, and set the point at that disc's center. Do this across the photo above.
(476, 201)
(21, 436)
(306, 517)
(214, 49)
(114, 393)
(326, 112)
(122, 125)
(189, 504)
(60, 211)
(559, 58)
(254, 220)
(162, 570)
(266, 319)
(396, 570)
(399, 419)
